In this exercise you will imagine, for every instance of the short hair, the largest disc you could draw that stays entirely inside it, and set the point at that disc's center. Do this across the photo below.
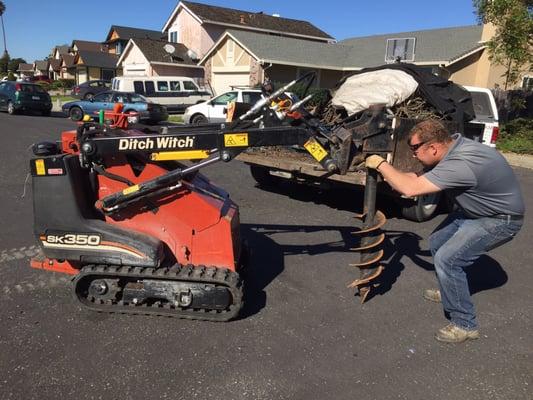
(431, 130)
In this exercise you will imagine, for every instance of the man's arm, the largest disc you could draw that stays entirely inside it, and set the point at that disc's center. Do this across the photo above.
(407, 183)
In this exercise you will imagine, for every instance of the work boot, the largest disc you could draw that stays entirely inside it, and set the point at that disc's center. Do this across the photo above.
(453, 334)
(432, 295)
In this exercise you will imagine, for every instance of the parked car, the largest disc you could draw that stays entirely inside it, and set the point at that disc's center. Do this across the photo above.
(213, 110)
(174, 92)
(133, 102)
(486, 121)
(40, 78)
(87, 90)
(21, 96)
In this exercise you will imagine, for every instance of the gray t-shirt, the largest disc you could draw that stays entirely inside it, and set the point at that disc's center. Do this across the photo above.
(479, 178)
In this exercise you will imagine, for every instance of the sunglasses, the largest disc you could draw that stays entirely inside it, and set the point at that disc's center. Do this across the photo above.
(415, 147)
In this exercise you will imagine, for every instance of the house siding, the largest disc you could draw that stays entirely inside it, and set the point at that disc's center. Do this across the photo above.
(135, 63)
(190, 31)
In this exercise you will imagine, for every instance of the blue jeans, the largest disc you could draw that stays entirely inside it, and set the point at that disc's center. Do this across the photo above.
(455, 244)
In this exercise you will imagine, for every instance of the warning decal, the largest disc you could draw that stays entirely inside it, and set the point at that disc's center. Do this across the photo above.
(236, 140)
(316, 150)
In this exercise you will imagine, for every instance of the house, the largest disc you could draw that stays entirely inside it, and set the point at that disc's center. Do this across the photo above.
(118, 37)
(25, 70)
(78, 45)
(40, 67)
(54, 68)
(91, 65)
(199, 26)
(157, 57)
(67, 67)
(58, 51)
(244, 58)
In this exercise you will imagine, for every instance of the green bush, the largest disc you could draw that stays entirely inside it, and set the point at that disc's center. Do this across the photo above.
(11, 76)
(67, 83)
(516, 136)
(44, 85)
(56, 85)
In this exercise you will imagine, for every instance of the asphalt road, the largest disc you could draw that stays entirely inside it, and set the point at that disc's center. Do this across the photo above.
(303, 334)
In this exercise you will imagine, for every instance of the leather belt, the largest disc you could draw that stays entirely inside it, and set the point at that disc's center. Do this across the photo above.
(508, 217)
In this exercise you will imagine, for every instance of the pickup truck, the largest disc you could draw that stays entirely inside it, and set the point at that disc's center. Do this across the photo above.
(267, 168)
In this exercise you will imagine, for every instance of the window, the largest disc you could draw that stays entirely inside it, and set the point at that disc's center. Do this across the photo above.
(251, 97)
(175, 86)
(103, 97)
(94, 84)
(149, 87)
(188, 85)
(137, 98)
(119, 47)
(120, 98)
(108, 74)
(173, 37)
(400, 49)
(527, 83)
(2, 87)
(481, 103)
(138, 87)
(162, 86)
(225, 98)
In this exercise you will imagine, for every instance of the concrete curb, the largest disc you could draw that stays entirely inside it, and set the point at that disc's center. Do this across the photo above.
(519, 160)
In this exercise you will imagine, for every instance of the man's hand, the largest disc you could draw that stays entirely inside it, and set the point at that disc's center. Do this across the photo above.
(374, 161)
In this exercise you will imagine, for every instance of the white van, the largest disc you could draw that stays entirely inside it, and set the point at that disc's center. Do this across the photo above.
(176, 93)
(486, 125)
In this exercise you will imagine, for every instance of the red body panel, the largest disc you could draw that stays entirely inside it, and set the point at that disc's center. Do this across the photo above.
(198, 228)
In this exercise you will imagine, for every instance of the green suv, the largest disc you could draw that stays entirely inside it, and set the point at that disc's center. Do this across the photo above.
(20, 96)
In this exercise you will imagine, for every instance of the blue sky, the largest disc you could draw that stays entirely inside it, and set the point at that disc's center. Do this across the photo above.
(34, 27)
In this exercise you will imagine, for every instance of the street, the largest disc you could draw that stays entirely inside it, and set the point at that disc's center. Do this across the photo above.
(302, 333)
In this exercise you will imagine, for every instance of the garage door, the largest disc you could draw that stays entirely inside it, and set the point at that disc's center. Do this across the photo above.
(222, 81)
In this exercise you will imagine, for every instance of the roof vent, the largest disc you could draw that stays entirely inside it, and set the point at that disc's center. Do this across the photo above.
(276, 15)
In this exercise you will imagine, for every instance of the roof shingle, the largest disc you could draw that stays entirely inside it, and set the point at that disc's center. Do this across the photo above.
(258, 20)
(98, 59)
(154, 51)
(126, 33)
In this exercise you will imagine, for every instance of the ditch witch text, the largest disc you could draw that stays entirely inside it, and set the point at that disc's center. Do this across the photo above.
(163, 143)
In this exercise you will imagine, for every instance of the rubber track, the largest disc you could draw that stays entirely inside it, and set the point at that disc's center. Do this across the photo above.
(188, 273)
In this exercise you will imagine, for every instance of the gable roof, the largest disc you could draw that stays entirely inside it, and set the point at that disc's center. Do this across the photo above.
(154, 51)
(96, 59)
(41, 64)
(55, 64)
(25, 67)
(289, 51)
(432, 45)
(254, 21)
(87, 46)
(62, 49)
(67, 60)
(127, 33)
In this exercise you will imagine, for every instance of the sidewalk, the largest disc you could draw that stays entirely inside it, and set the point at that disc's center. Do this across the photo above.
(519, 160)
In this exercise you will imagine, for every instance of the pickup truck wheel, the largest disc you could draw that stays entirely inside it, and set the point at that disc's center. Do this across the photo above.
(262, 176)
(198, 119)
(75, 113)
(421, 209)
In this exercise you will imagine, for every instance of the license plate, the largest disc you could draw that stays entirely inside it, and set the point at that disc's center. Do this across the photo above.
(35, 98)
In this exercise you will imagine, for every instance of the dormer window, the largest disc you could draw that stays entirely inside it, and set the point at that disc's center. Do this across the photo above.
(173, 37)
(400, 49)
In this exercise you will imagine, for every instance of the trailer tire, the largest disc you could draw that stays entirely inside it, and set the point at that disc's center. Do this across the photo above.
(262, 176)
(421, 209)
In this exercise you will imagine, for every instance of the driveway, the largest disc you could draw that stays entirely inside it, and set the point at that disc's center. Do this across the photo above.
(302, 335)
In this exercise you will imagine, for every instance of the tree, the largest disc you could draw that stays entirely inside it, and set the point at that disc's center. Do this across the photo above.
(13, 64)
(4, 61)
(512, 44)
(2, 11)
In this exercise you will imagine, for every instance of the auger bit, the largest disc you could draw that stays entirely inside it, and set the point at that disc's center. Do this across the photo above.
(370, 238)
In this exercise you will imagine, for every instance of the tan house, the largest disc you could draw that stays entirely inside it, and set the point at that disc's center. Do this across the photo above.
(147, 57)
(40, 67)
(92, 65)
(67, 68)
(245, 58)
(199, 26)
(118, 37)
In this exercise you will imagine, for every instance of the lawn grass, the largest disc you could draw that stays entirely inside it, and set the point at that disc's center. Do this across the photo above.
(62, 99)
(178, 119)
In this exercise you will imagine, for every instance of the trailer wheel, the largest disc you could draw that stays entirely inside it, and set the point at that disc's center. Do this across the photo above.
(421, 209)
(262, 176)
